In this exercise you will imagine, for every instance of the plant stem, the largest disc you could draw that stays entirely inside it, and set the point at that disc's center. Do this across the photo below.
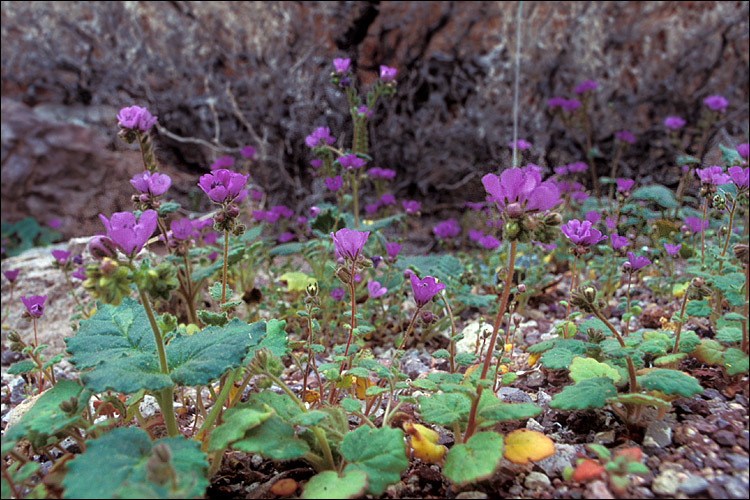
(218, 405)
(679, 325)
(452, 348)
(703, 232)
(613, 174)
(744, 345)
(729, 233)
(471, 425)
(627, 323)
(570, 293)
(224, 271)
(629, 361)
(409, 328)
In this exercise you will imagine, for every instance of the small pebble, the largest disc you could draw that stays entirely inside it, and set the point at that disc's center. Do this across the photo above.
(693, 485)
(536, 481)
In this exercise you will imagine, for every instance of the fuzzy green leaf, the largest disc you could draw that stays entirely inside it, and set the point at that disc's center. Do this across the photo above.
(670, 382)
(475, 460)
(698, 308)
(444, 409)
(381, 453)
(509, 411)
(729, 335)
(236, 422)
(736, 362)
(689, 340)
(557, 358)
(274, 439)
(709, 351)
(588, 393)
(583, 368)
(329, 484)
(24, 366)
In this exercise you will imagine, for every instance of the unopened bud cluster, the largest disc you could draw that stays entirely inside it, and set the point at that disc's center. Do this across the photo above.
(226, 220)
(107, 281)
(584, 298)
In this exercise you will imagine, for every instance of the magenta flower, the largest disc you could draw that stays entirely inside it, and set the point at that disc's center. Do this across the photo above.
(256, 195)
(371, 208)
(674, 122)
(182, 229)
(581, 233)
(127, 234)
(424, 289)
(381, 173)
(259, 215)
(695, 224)
(739, 176)
(285, 237)
(333, 183)
(61, 256)
(101, 246)
(387, 74)
(672, 250)
(623, 185)
(375, 289)
(349, 243)
(474, 206)
(447, 229)
(713, 175)
(571, 105)
(577, 167)
(341, 65)
(625, 136)
(316, 163)
(314, 211)
(585, 86)
(222, 162)
(475, 235)
(362, 110)
(12, 274)
(637, 263)
(593, 216)
(743, 150)
(351, 162)
(283, 211)
(337, 294)
(34, 304)
(155, 184)
(136, 117)
(610, 223)
(524, 189)
(79, 273)
(556, 102)
(392, 250)
(54, 223)
(521, 145)
(301, 220)
(489, 242)
(411, 207)
(716, 103)
(248, 152)
(223, 186)
(272, 217)
(579, 196)
(618, 241)
(321, 135)
(546, 247)
(387, 199)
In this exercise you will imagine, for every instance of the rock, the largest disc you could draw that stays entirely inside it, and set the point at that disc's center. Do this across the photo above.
(597, 489)
(565, 455)
(536, 481)
(533, 425)
(17, 388)
(667, 481)
(658, 434)
(739, 462)
(693, 485)
(725, 437)
(148, 406)
(535, 379)
(412, 365)
(736, 487)
(542, 398)
(9, 357)
(14, 415)
(471, 335)
(472, 495)
(605, 437)
(651, 315)
(513, 395)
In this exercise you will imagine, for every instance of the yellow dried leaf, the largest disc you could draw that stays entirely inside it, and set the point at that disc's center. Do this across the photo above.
(508, 347)
(678, 290)
(523, 445)
(296, 281)
(361, 385)
(424, 445)
(310, 396)
(470, 370)
(533, 358)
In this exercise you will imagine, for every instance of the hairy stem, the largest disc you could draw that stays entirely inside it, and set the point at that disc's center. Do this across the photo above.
(224, 270)
(631, 368)
(679, 324)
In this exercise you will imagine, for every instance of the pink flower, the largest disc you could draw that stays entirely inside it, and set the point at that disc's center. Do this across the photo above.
(571, 105)
(489, 242)
(316, 163)
(155, 184)
(349, 243)
(287, 236)
(637, 263)
(61, 256)
(392, 250)
(610, 223)
(223, 186)
(475, 235)
(341, 65)
(54, 223)
(321, 135)
(556, 102)
(387, 199)
(126, 233)
(713, 175)
(34, 305)
(579, 196)
(182, 229)
(283, 211)
(375, 289)
(742, 150)
(593, 216)
(672, 250)
(12, 274)
(387, 74)
(623, 185)
(424, 289)
(248, 152)
(716, 103)
(522, 187)
(351, 162)
(222, 162)
(581, 233)
(674, 122)
(577, 167)
(381, 173)
(447, 229)
(618, 241)
(695, 224)
(585, 86)
(739, 176)
(372, 208)
(333, 183)
(625, 136)
(136, 118)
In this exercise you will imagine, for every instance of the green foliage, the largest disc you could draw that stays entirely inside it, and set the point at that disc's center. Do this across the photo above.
(588, 393)
(444, 408)
(698, 308)
(27, 233)
(24, 366)
(584, 368)
(237, 421)
(329, 484)
(380, 453)
(670, 382)
(736, 362)
(656, 193)
(475, 460)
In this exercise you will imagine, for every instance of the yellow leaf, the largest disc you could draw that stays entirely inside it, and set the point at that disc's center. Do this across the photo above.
(678, 290)
(296, 281)
(547, 259)
(533, 358)
(523, 445)
(470, 370)
(424, 445)
(592, 275)
(361, 385)
(508, 347)
(309, 396)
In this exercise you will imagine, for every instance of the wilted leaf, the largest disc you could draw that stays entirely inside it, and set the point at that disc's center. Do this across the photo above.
(523, 445)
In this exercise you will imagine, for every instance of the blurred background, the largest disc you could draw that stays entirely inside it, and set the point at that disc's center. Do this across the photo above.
(224, 75)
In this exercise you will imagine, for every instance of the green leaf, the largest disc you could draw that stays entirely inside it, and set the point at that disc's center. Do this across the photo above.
(583, 368)
(236, 422)
(736, 362)
(273, 439)
(351, 405)
(557, 358)
(24, 366)
(640, 399)
(709, 351)
(733, 316)
(689, 340)
(308, 419)
(296, 281)
(669, 359)
(235, 254)
(329, 484)
(446, 268)
(441, 354)
(657, 193)
(210, 318)
(168, 207)
(444, 409)
(670, 382)
(381, 453)
(474, 300)
(215, 290)
(271, 335)
(698, 308)
(45, 418)
(122, 457)
(509, 411)
(424, 384)
(282, 404)
(588, 393)
(287, 249)
(729, 335)
(465, 358)
(475, 460)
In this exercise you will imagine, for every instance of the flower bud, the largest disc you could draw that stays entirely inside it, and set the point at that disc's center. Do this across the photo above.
(69, 405)
(627, 267)
(144, 198)
(427, 317)
(741, 252)
(101, 247)
(514, 210)
(108, 266)
(590, 293)
(553, 219)
(14, 336)
(521, 288)
(697, 282)
(312, 289)
(238, 230)
(232, 211)
(512, 229)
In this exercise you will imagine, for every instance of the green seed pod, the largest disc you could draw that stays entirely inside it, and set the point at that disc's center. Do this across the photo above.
(512, 229)
(14, 336)
(263, 383)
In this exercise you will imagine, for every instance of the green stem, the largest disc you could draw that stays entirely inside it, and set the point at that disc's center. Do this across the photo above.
(729, 233)
(218, 405)
(703, 232)
(409, 329)
(629, 361)
(679, 325)
(452, 348)
(224, 271)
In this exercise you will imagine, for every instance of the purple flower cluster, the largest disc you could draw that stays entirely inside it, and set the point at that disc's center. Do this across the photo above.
(517, 190)
(585, 86)
(739, 176)
(387, 74)
(155, 184)
(672, 250)
(618, 241)
(182, 229)
(136, 118)
(351, 162)
(349, 243)
(447, 229)
(716, 103)
(223, 186)
(222, 162)
(624, 185)
(321, 135)
(674, 122)
(713, 175)
(568, 105)
(520, 144)
(582, 233)
(625, 136)
(392, 250)
(411, 207)
(127, 234)
(695, 224)
(637, 263)
(61, 256)
(381, 173)
(333, 183)
(489, 242)
(743, 150)
(248, 152)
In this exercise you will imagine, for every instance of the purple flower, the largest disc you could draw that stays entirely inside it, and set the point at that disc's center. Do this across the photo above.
(695, 224)
(674, 122)
(637, 263)
(362, 110)
(392, 250)
(411, 207)
(79, 273)
(556, 102)
(561, 170)
(101, 246)
(610, 223)
(223, 186)
(316, 163)
(672, 250)
(577, 167)
(341, 65)
(474, 206)
(272, 217)
(321, 135)
(475, 235)
(522, 187)
(182, 229)
(301, 220)
(34, 304)
(126, 233)
(256, 195)
(546, 247)
(571, 105)
(716, 103)
(54, 223)
(287, 236)
(349, 243)
(222, 162)
(739, 176)
(61, 256)
(713, 175)
(387, 199)
(520, 144)
(314, 211)
(259, 215)
(155, 184)
(625, 136)
(424, 289)
(387, 74)
(333, 183)
(351, 162)
(283, 211)
(618, 241)
(375, 289)
(447, 229)
(337, 294)
(381, 173)
(579, 196)
(585, 86)
(371, 208)
(136, 117)
(248, 152)
(593, 216)
(742, 150)
(623, 185)
(489, 242)
(581, 233)
(13, 274)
